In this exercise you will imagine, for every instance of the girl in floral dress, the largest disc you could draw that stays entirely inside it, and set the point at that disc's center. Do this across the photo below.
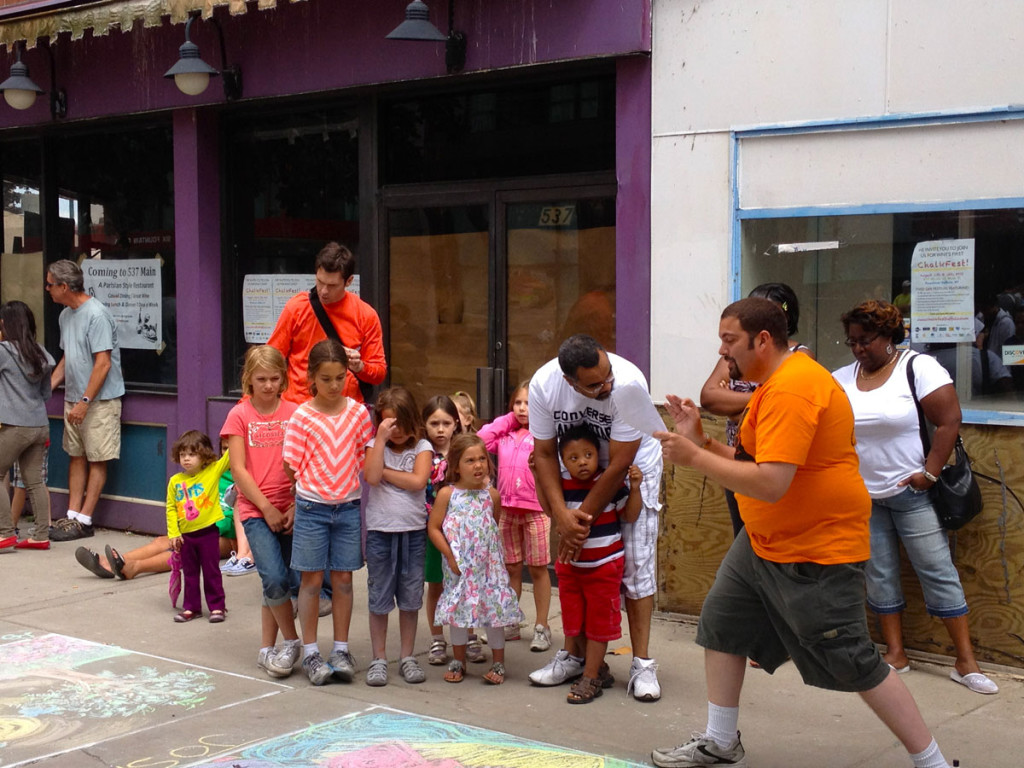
(463, 527)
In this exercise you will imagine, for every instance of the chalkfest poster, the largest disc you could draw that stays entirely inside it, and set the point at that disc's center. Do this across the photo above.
(131, 289)
(942, 291)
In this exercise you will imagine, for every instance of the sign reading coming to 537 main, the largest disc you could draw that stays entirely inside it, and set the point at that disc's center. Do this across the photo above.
(131, 289)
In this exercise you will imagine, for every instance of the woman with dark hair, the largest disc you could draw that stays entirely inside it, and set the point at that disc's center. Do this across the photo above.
(899, 476)
(724, 396)
(24, 389)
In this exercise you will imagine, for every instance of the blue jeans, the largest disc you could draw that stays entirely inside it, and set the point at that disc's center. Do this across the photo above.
(394, 567)
(326, 536)
(910, 517)
(272, 552)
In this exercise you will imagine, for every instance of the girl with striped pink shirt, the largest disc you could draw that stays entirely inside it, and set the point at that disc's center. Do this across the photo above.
(323, 453)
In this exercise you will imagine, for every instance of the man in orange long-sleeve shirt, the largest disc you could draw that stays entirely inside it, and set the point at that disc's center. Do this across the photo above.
(356, 322)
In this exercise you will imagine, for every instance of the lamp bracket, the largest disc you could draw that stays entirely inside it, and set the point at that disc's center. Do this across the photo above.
(455, 51)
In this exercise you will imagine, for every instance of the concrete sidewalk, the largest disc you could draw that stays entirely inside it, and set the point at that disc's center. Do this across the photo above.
(224, 700)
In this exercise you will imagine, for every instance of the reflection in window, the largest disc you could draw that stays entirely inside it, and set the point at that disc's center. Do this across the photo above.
(21, 263)
(873, 260)
(293, 185)
(561, 278)
(116, 203)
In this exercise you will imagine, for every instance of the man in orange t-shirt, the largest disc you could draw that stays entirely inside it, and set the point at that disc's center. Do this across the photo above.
(356, 322)
(792, 583)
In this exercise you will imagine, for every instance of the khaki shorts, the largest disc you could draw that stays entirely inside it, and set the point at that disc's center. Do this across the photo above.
(98, 438)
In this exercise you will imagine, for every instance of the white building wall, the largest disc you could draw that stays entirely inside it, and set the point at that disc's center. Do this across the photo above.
(722, 66)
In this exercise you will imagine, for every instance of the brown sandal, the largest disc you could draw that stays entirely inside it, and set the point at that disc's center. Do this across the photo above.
(455, 672)
(496, 674)
(605, 678)
(584, 690)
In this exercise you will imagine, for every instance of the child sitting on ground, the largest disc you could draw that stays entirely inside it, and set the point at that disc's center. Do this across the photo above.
(589, 585)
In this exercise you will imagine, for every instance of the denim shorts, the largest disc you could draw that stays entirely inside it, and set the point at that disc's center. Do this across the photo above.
(394, 570)
(811, 612)
(910, 517)
(272, 553)
(326, 536)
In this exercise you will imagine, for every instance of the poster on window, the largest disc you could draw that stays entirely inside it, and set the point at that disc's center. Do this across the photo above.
(942, 291)
(263, 298)
(132, 290)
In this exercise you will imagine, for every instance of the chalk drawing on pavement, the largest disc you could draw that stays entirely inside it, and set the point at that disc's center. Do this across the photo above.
(53, 686)
(380, 737)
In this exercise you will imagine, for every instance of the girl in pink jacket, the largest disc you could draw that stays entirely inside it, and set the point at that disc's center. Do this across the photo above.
(525, 529)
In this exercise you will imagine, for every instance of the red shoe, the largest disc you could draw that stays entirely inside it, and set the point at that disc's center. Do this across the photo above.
(10, 541)
(29, 544)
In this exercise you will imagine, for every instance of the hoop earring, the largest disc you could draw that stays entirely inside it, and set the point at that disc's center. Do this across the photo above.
(888, 349)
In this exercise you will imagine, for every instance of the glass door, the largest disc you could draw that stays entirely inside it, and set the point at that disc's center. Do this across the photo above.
(483, 290)
(440, 298)
(560, 253)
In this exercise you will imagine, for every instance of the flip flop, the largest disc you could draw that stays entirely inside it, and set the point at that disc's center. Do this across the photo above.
(115, 560)
(900, 670)
(976, 681)
(91, 562)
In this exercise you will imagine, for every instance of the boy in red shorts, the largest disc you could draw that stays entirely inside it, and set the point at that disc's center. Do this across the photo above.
(589, 585)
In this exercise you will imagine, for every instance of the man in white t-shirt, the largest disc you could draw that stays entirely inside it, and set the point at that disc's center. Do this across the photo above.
(575, 388)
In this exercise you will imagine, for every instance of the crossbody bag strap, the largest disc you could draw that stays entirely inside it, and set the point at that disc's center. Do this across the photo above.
(922, 424)
(321, 315)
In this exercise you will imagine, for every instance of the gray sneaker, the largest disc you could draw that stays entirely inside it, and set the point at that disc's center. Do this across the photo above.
(561, 669)
(700, 751)
(288, 654)
(377, 674)
(343, 664)
(325, 607)
(411, 670)
(317, 670)
(271, 663)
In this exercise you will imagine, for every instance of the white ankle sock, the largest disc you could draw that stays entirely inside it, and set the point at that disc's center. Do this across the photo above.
(722, 724)
(84, 519)
(72, 515)
(309, 649)
(931, 757)
(340, 645)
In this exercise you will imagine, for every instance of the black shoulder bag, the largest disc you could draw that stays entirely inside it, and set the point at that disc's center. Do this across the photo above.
(365, 388)
(956, 495)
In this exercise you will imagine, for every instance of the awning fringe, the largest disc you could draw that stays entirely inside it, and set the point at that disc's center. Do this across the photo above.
(102, 16)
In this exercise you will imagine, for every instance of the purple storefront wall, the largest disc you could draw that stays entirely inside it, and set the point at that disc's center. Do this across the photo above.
(323, 46)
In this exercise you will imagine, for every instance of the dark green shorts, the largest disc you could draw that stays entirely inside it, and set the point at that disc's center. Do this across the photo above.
(432, 568)
(812, 613)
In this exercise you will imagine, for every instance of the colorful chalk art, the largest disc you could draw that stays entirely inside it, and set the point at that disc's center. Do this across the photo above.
(383, 738)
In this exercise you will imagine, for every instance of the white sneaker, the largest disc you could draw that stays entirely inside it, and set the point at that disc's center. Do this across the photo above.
(561, 669)
(238, 566)
(230, 563)
(288, 654)
(271, 663)
(643, 680)
(541, 639)
(699, 751)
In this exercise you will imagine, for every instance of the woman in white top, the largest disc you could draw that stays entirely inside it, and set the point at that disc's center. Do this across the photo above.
(899, 477)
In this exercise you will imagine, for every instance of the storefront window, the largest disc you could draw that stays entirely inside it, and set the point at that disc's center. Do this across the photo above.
(115, 217)
(294, 186)
(546, 128)
(967, 308)
(21, 263)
